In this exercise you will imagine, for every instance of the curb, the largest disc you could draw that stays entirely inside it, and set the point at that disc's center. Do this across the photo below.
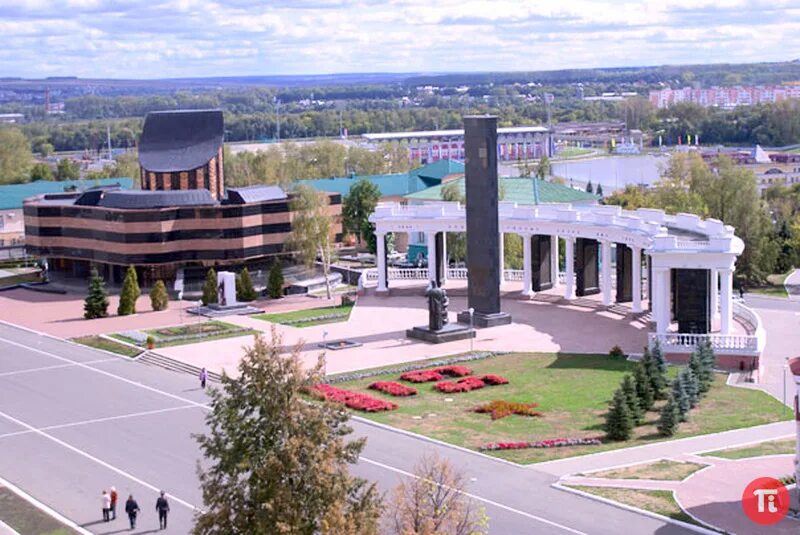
(44, 508)
(680, 523)
(67, 340)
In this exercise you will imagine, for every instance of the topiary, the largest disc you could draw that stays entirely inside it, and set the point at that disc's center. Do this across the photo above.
(129, 294)
(159, 298)
(210, 292)
(244, 287)
(96, 303)
(275, 280)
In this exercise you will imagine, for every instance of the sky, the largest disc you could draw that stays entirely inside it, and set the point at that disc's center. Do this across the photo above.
(196, 38)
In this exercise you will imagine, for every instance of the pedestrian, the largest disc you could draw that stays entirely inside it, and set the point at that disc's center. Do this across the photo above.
(132, 508)
(106, 505)
(113, 503)
(741, 291)
(162, 506)
(203, 378)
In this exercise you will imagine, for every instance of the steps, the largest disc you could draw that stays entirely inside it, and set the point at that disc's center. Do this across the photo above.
(154, 359)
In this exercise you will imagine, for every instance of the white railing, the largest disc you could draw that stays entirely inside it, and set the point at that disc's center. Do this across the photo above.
(751, 322)
(728, 343)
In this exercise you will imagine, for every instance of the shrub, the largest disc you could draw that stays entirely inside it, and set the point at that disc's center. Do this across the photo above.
(130, 293)
(421, 376)
(151, 342)
(210, 292)
(159, 298)
(275, 280)
(500, 409)
(669, 419)
(244, 287)
(493, 380)
(454, 371)
(393, 389)
(616, 351)
(551, 443)
(619, 423)
(96, 303)
(353, 400)
(465, 384)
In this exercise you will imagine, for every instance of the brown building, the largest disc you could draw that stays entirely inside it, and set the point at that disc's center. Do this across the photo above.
(183, 217)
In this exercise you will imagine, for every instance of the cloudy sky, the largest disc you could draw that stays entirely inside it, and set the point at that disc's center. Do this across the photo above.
(156, 39)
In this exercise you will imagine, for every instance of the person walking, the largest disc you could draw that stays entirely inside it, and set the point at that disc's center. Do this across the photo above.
(132, 508)
(106, 499)
(203, 378)
(114, 498)
(162, 506)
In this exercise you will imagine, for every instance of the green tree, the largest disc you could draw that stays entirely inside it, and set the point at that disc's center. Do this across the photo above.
(129, 294)
(125, 166)
(707, 361)
(692, 386)
(15, 156)
(644, 388)
(632, 399)
(67, 170)
(657, 374)
(159, 298)
(544, 167)
(681, 397)
(599, 191)
(275, 281)
(669, 418)
(589, 187)
(45, 149)
(210, 291)
(619, 423)
(275, 463)
(358, 205)
(41, 171)
(96, 303)
(244, 287)
(311, 230)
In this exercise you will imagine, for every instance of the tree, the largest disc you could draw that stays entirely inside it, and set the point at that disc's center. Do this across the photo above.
(658, 378)
(619, 423)
(544, 167)
(705, 354)
(599, 191)
(435, 501)
(210, 291)
(41, 171)
(159, 298)
(589, 188)
(691, 386)
(275, 463)
(659, 374)
(681, 397)
(96, 303)
(129, 294)
(311, 230)
(669, 418)
(244, 287)
(644, 388)
(45, 149)
(358, 205)
(275, 280)
(66, 169)
(15, 156)
(629, 389)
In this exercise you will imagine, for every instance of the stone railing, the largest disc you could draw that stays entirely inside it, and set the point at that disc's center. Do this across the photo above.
(751, 321)
(739, 344)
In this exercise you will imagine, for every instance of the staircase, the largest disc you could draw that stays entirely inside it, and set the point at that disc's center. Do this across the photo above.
(154, 359)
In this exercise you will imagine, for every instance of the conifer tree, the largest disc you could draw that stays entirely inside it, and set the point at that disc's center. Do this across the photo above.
(707, 362)
(159, 298)
(599, 190)
(129, 294)
(692, 386)
(210, 292)
(275, 281)
(629, 389)
(275, 463)
(619, 423)
(658, 379)
(244, 286)
(669, 419)
(644, 390)
(96, 303)
(589, 187)
(681, 398)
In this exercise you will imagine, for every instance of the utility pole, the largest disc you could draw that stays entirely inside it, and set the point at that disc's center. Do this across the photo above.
(108, 140)
(277, 119)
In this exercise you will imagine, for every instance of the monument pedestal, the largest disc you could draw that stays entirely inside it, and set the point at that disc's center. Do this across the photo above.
(485, 320)
(449, 333)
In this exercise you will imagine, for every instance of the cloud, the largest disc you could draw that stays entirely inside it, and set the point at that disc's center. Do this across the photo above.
(176, 38)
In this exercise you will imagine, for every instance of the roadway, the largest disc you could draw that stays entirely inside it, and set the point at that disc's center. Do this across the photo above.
(74, 421)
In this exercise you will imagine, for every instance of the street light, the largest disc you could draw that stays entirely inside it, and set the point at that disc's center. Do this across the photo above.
(472, 330)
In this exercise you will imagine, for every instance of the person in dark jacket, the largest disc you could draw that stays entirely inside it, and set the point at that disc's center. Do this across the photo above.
(132, 508)
(162, 506)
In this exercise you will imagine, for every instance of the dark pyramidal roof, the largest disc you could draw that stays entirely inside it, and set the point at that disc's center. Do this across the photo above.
(251, 194)
(132, 200)
(182, 140)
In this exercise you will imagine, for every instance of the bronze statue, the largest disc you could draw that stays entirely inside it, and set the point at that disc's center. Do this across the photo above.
(437, 307)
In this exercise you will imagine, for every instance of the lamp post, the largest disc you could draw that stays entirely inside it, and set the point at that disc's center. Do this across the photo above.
(471, 338)
(180, 305)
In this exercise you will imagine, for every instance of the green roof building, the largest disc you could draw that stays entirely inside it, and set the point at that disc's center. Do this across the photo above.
(12, 195)
(518, 190)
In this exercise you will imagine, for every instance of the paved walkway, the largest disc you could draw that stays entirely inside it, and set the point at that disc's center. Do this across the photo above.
(792, 284)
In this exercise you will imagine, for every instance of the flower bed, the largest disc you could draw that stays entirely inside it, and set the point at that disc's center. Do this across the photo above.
(500, 409)
(466, 384)
(494, 380)
(353, 400)
(421, 376)
(393, 389)
(552, 443)
(454, 371)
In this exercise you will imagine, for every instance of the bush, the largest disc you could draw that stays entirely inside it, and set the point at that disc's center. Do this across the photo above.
(616, 351)
(151, 342)
(159, 298)
(669, 419)
(500, 409)
(275, 280)
(619, 423)
(551, 443)
(353, 400)
(96, 303)
(130, 293)
(210, 293)
(421, 376)
(494, 380)
(393, 389)
(244, 287)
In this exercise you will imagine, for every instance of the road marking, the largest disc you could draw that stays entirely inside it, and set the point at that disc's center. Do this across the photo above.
(54, 367)
(43, 507)
(99, 420)
(97, 460)
(480, 499)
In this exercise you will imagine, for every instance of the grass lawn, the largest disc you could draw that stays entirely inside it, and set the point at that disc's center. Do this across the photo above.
(772, 447)
(107, 345)
(305, 318)
(20, 279)
(573, 392)
(661, 502)
(661, 470)
(27, 519)
(212, 329)
(774, 286)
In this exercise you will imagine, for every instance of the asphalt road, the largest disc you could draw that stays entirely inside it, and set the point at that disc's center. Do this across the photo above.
(74, 421)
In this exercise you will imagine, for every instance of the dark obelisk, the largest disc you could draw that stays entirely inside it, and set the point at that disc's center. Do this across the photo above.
(483, 225)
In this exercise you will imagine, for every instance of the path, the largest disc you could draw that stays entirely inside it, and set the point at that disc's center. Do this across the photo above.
(792, 284)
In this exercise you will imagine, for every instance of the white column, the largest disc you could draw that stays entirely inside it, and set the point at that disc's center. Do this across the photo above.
(714, 294)
(381, 261)
(660, 276)
(431, 240)
(554, 259)
(527, 284)
(636, 276)
(502, 242)
(569, 275)
(606, 272)
(444, 258)
(726, 301)
(668, 297)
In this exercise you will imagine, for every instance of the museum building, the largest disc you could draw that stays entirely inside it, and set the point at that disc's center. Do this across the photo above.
(182, 218)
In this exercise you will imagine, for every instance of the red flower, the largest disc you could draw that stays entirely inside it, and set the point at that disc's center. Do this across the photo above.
(393, 389)
(353, 400)
(454, 371)
(551, 443)
(462, 385)
(491, 379)
(421, 376)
